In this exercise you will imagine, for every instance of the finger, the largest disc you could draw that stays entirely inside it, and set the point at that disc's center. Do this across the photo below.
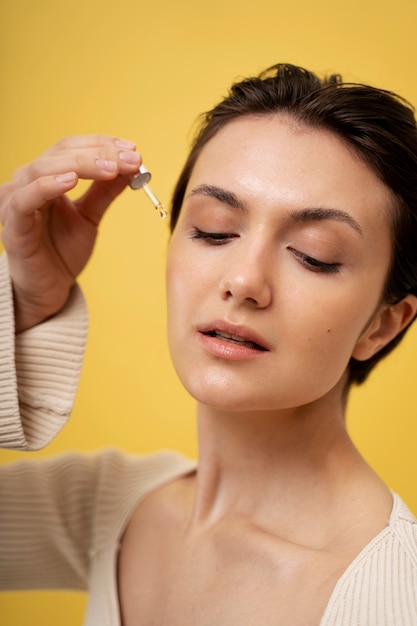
(22, 214)
(30, 198)
(6, 189)
(82, 142)
(98, 197)
(92, 163)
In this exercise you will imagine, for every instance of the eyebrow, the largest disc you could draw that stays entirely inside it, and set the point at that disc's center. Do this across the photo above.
(220, 194)
(320, 214)
(302, 215)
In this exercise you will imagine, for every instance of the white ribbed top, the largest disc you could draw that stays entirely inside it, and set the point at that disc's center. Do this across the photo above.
(61, 521)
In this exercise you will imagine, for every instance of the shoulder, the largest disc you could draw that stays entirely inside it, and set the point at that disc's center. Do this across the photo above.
(123, 473)
(127, 480)
(403, 525)
(380, 585)
(166, 483)
(156, 525)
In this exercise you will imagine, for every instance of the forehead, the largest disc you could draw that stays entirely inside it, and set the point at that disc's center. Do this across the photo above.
(280, 161)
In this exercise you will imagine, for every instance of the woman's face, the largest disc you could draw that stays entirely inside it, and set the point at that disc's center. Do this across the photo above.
(276, 266)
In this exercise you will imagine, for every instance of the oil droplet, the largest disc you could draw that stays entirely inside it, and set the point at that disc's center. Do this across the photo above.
(162, 211)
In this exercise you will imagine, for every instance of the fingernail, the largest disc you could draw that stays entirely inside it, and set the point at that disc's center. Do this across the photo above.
(107, 166)
(68, 177)
(129, 157)
(125, 144)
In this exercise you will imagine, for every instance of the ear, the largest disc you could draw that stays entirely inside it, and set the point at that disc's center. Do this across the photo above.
(387, 323)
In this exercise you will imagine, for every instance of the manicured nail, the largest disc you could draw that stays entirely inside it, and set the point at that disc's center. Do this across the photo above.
(130, 157)
(68, 177)
(125, 144)
(107, 166)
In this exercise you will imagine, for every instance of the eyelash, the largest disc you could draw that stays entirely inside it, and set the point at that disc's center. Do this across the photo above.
(214, 239)
(312, 264)
(315, 265)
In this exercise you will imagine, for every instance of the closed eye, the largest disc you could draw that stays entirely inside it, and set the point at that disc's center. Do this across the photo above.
(314, 265)
(214, 239)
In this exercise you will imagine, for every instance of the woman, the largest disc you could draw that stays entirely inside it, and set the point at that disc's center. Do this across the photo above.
(291, 271)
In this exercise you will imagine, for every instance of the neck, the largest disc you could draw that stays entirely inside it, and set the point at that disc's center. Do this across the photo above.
(251, 461)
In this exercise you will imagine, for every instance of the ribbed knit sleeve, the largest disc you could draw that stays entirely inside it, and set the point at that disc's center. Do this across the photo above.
(39, 370)
(61, 519)
(46, 522)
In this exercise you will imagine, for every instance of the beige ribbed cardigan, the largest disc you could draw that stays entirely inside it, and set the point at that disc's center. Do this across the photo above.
(61, 519)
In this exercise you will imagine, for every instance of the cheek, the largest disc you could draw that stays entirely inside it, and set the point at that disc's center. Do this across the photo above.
(333, 349)
(188, 275)
(184, 286)
(175, 304)
(329, 329)
(182, 296)
(179, 279)
(175, 293)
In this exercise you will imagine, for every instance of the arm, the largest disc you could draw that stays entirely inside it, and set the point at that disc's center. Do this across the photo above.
(39, 370)
(61, 519)
(49, 239)
(46, 521)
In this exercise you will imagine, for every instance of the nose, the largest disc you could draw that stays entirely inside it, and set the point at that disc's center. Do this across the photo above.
(247, 279)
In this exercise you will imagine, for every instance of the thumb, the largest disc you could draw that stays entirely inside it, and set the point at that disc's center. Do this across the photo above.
(98, 197)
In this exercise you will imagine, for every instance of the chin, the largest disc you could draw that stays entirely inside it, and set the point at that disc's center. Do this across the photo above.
(222, 393)
(228, 397)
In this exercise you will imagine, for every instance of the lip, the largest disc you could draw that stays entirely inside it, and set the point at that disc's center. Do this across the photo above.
(232, 350)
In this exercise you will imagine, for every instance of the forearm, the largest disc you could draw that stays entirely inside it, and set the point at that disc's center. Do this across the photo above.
(39, 370)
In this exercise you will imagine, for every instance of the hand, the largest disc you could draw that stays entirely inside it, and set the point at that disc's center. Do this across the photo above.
(48, 237)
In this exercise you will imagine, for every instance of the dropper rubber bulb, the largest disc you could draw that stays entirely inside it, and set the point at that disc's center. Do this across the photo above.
(140, 181)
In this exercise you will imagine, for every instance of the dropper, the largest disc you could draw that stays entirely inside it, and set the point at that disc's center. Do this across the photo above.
(140, 181)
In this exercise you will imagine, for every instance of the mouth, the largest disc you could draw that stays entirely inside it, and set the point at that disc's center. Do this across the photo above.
(236, 339)
(227, 333)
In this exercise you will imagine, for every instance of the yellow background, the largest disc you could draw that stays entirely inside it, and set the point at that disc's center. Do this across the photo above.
(143, 71)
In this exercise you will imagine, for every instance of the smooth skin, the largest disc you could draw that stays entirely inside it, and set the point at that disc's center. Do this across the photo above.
(282, 502)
